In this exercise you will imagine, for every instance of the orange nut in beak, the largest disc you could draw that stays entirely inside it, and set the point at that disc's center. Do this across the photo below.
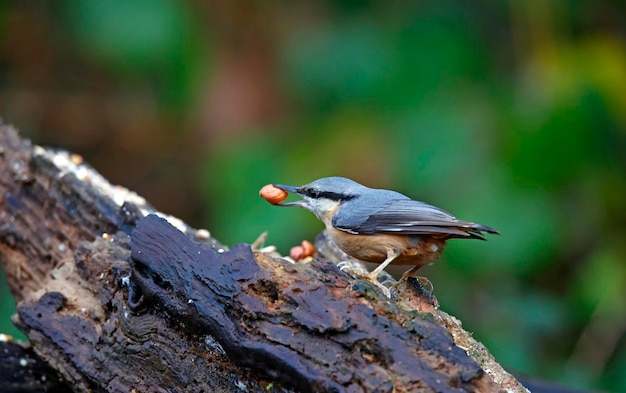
(273, 194)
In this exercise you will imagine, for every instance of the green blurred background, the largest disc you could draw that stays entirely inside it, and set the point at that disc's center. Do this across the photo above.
(508, 113)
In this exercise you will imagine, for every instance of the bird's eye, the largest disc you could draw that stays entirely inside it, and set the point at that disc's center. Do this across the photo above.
(314, 193)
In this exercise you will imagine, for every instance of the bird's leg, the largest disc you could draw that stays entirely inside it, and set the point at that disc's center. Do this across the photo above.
(408, 274)
(392, 253)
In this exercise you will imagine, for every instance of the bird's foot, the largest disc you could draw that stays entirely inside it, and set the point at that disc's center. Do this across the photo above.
(357, 270)
(354, 268)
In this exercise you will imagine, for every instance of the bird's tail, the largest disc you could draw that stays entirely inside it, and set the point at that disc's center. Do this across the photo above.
(475, 231)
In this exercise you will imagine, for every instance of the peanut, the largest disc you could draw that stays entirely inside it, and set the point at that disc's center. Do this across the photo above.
(308, 248)
(305, 250)
(296, 253)
(273, 194)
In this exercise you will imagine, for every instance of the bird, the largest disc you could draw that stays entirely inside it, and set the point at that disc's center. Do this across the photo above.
(381, 226)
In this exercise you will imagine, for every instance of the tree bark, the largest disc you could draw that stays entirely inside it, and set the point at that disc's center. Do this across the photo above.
(117, 298)
(21, 370)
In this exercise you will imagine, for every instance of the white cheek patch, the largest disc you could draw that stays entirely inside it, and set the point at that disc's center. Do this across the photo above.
(324, 208)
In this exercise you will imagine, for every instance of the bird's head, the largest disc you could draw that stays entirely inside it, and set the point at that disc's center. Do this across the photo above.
(323, 196)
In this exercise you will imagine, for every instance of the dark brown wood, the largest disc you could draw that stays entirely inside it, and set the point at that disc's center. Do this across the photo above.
(21, 370)
(298, 322)
(119, 300)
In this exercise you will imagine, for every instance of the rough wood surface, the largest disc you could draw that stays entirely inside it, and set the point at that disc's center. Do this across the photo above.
(21, 370)
(119, 300)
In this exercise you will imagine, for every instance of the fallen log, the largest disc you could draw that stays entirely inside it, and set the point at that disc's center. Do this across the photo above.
(118, 297)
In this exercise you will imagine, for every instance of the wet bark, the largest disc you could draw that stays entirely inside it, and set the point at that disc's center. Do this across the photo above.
(116, 298)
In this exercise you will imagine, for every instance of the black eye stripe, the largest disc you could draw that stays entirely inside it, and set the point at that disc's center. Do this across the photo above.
(331, 195)
(335, 196)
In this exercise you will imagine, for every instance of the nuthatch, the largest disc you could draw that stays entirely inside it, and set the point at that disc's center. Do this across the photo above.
(381, 226)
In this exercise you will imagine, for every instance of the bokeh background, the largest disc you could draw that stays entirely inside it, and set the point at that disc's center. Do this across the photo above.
(508, 113)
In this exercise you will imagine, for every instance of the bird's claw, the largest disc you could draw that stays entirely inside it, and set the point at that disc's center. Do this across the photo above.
(357, 270)
(352, 268)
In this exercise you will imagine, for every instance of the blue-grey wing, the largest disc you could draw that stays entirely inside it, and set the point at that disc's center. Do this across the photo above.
(402, 216)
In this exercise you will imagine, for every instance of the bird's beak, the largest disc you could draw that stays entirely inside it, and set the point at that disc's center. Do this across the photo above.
(292, 189)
